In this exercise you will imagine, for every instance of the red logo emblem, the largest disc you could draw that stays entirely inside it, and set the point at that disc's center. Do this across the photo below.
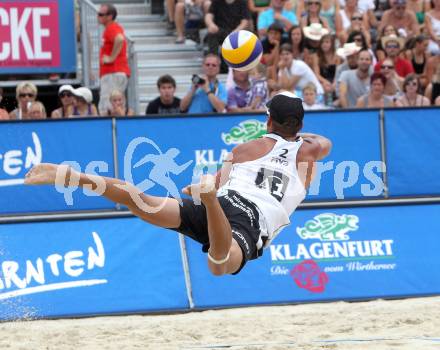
(308, 275)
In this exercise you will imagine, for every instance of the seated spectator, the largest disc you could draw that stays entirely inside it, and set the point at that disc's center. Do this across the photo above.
(355, 83)
(271, 44)
(293, 75)
(239, 95)
(275, 13)
(411, 96)
(4, 115)
(375, 98)
(206, 94)
(418, 54)
(330, 10)
(349, 53)
(431, 67)
(25, 94)
(349, 9)
(393, 87)
(118, 105)
(37, 110)
(401, 18)
(313, 34)
(432, 92)
(325, 63)
(387, 30)
(359, 38)
(309, 98)
(393, 45)
(419, 7)
(224, 17)
(166, 103)
(82, 103)
(256, 7)
(437, 101)
(298, 42)
(189, 18)
(312, 15)
(432, 21)
(357, 25)
(65, 94)
(259, 88)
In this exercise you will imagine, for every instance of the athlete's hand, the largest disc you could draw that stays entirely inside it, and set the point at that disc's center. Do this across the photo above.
(205, 189)
(49, 174)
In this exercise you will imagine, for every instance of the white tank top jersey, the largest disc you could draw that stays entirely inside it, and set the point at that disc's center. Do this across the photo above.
(272, 183)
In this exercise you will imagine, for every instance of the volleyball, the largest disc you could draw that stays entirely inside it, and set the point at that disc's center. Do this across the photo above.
(242, 50)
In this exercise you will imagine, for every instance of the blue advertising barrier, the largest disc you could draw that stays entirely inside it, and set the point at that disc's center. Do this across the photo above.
(88, 267)
(23, 145)
(413, 156)
(183, 147)
(333, 254)
(37, 36)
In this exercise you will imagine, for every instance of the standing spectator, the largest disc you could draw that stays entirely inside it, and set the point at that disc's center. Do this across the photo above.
(393, 45)
(83, 103)
(432, 21)
(166, 103)
(65, 94)
(355, 83)
(25, 94)
(275, 13)
(119, 106)
(239, 95)
(113, 70)
(4, 115)
(206, 94)
(295, 74)
(394, 82)
(411, 96)
(401, 18)
(37, 110)
(225, 16)
(375, 98)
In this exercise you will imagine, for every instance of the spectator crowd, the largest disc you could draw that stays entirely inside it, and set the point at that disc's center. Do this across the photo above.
(332, 53)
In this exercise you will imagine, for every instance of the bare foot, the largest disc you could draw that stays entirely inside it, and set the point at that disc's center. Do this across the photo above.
(205, 189)
(46, 174)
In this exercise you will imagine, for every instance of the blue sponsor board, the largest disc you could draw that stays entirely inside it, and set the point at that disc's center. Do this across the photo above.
(88, 267)
(412, 146)
(333, 254)
(22, 145)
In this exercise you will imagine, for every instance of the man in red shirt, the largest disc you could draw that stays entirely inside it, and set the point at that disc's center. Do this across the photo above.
(113, 63)
(393, 45)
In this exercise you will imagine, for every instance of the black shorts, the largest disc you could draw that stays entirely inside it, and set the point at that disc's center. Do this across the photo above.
(242, 216)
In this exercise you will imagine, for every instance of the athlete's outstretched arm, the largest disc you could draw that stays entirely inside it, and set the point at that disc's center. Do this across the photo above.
(325, 143)
(159, 211)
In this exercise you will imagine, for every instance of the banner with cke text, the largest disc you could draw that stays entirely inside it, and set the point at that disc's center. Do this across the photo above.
(163, 155)
(412, 147)
(37, 36)
(333, 254)
(85, 144)
(88, 267)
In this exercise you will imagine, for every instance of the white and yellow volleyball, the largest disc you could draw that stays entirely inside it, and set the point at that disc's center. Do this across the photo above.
(242, 50)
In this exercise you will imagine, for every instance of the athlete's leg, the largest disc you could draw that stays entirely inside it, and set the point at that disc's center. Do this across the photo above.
(160, 211)
(225, 252)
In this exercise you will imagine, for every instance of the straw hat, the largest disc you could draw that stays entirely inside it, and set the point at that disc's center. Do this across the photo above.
(347, 50)
(395, 38)
(315, 31)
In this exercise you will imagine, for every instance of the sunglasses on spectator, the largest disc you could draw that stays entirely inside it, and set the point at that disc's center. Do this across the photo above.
(313, 3)
(211, 65)
(356, 18)
(400, 7)
(65, 94)
(392, 46)
(386, 66)
(26, 95)
(358, 39)
(413, 83)
(100, 14)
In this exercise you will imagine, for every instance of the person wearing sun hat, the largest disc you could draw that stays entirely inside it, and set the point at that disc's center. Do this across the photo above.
(65, 94)
(313, 33)
(393, 44)
(349, 52)
(83, 103)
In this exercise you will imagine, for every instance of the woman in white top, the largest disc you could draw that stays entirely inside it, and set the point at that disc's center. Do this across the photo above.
(26, 93)
(432, 21)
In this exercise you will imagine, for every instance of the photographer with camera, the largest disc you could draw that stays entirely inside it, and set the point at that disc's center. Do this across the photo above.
(207, 94)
